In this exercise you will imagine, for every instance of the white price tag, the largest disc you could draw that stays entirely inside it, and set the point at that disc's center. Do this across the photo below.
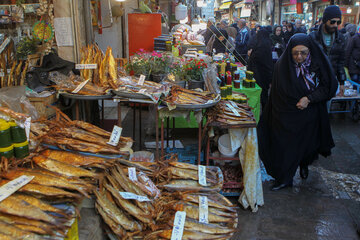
(115, 136)
(80, 86)
(132, 173)
(203, 209)
(233, 109)
(141, 80)
(179, 223)
(14, 185)
(202, 175)
(142, 90)
(27, 126)
(86, 66)
(8, 71)
(2, 74)
(129, 195)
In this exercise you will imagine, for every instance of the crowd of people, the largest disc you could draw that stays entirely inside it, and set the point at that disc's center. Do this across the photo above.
(299, 70)
(261, 47)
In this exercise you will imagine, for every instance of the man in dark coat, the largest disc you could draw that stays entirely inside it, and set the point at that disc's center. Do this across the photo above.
(298, 27)
(210, 30)
(332, 42)
(241, 42)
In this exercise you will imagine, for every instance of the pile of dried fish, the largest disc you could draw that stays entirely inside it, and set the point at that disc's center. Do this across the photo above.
(47, 184)
(179, 95)
(71, 82)
(12, 72)
(229, 112)
(105, 75)
(221, 220)
(26, 217)
(134, 85)
(76, 135)
(185, 177)
(149, 214)
(127, 217)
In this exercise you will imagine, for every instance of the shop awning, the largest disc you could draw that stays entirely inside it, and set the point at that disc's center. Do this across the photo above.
(239, 5)
(225, 5)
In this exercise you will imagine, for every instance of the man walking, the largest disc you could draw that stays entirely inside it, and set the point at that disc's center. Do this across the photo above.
(241, 42)
(210, 30)
(332, 42)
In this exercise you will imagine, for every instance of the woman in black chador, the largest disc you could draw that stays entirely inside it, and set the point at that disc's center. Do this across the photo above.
(294, 127)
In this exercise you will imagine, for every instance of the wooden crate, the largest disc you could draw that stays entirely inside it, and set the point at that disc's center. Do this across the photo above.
(40, 104)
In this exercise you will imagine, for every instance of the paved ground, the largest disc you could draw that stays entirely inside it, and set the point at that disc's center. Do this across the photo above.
(325, 206)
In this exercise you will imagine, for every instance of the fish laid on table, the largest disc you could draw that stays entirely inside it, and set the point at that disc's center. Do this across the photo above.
(22, 221)
(40, 204)
(78, 160)
(14, 206)
(187, 235)
(16, 233)
(46, 179)
(115, 213)
(179, 95)
(62, 168)
(192, 211)
(45, 191)
(78, 145)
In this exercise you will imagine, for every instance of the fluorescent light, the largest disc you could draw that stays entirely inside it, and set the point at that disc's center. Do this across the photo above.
(120, 0)
(357, 3)
(348, 10)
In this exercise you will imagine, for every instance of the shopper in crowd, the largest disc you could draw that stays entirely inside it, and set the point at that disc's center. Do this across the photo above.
(316, 25)
(235, 24)
(260, 62)
(284, 30)
(298, 27)
(332, 42)
(223, 24)
(343, 28)
(252, 38)
(278, 43)
(352, 57)
(350, 31)
(294, 128)
(284, 23)
(230, 44)
(241, 42)
(210, 30)
(290, 31)
(218, 42)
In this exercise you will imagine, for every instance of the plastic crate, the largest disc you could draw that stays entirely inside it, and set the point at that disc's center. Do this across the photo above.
(189, 154)
(230, 194)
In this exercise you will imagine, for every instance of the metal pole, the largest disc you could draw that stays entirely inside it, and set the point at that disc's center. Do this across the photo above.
(157, 132)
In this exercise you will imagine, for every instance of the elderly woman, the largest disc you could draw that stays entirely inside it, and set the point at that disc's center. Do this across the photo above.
(294, 128)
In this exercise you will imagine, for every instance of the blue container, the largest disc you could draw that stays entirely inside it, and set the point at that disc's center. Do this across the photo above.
(189, 154)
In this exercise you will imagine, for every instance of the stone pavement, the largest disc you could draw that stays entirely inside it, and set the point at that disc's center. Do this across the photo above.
(326, 206)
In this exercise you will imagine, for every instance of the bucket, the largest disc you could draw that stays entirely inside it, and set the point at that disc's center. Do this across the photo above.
(224, 146)
(193, 84)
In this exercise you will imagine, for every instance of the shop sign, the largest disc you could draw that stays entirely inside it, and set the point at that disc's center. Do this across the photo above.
(245, 12)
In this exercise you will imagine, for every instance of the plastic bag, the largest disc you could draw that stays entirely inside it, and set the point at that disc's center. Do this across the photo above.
(142, 156)
(11, 97)
(210, 76)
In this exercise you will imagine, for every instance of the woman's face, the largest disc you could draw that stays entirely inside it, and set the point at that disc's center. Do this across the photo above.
(300, 53)
(278, 31)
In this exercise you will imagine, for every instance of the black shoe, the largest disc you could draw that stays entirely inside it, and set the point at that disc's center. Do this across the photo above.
(278, 186)
(304, 172)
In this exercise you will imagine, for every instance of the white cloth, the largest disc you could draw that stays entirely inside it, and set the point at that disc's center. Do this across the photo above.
(252, 195)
